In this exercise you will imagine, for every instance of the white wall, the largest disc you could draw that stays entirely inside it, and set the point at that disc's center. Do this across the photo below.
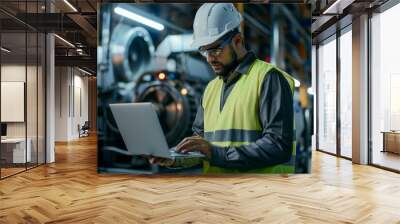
(62, 81)
(80, 100)
(71, 93)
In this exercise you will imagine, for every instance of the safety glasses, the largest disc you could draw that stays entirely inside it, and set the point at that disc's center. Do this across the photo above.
(215, 52)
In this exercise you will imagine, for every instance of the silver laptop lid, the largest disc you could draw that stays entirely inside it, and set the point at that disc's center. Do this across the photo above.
(140, 128)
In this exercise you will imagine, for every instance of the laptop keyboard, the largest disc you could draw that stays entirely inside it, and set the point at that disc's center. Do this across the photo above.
(188, 154)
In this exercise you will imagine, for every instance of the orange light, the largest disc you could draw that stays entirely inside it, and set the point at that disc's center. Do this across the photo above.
(184, 91)
(161, 76)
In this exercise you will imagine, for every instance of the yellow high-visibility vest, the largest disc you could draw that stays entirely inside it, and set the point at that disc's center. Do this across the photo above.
(238, 123)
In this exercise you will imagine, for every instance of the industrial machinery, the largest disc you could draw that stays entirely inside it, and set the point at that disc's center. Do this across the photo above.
(176, 102)
(131, 50)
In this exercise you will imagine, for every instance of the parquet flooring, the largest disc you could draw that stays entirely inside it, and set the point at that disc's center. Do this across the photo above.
(71, 191)
(10, 171)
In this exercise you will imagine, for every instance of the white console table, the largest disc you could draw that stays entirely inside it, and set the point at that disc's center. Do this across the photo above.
(18, 149)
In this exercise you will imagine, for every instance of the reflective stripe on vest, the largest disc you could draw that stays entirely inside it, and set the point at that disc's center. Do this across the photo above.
(232, 135)
(238, 123)
(236, 135)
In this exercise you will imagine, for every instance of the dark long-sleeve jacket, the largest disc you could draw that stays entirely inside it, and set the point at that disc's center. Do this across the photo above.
(276, 118)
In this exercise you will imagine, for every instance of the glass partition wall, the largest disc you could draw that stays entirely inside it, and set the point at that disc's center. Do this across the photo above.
(385, 89)
(22, 77)
(334, 83)
(334, 94)
(345, 61)
(13, 109)
(327, 95)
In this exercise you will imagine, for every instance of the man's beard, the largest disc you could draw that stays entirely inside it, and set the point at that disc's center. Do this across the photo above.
(226, 69)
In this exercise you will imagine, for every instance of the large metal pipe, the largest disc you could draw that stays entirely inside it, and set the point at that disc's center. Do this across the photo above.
(131, 50)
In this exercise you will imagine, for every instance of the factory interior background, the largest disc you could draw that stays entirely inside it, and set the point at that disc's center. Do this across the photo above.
(61, 157)
(138, 63)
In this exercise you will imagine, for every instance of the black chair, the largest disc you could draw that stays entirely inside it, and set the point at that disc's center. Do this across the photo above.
(84, 130)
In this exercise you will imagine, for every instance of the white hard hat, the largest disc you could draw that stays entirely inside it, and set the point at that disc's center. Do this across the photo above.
(212, 21)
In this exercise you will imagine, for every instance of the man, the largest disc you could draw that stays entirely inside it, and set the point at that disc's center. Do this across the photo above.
(245, 120)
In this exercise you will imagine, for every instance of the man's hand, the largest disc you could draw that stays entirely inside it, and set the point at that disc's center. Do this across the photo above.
(161, 161)
(193, 144)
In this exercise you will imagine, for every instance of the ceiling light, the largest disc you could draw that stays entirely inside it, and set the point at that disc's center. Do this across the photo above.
(65, 41)
(70, 5)
(84, 71)
(139, 18)
(5, 50)
(328, 10)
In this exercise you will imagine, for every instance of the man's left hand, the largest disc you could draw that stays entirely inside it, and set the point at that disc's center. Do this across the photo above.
(193, 144)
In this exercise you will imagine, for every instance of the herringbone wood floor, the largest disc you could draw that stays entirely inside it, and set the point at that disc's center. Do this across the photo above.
(70, 191)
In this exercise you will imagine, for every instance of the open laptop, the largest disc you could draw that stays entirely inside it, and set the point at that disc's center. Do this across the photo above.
(141, 131)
